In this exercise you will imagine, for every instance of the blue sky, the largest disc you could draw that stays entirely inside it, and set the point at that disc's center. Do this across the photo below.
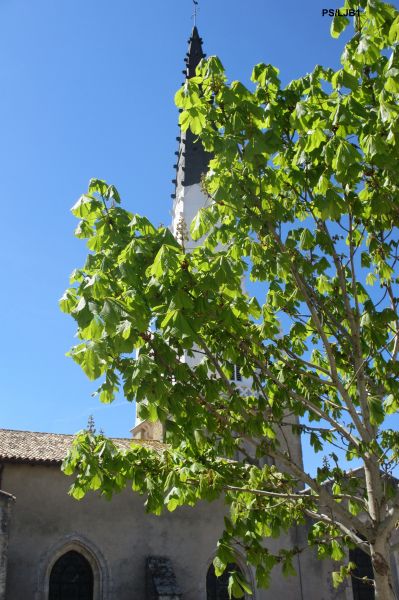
(87, 91)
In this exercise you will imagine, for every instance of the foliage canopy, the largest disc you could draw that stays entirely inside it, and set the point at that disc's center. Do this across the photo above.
(304, 203)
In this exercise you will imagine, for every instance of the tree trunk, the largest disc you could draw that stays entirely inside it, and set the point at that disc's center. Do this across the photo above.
(382, 571)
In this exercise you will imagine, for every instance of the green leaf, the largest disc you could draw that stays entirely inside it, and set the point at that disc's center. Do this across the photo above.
(306, 241)
(96, 481)
(124, 328)
(337, 552)
(332, 206)
(314, 138)
(169, 317)
(165, 258)
(354, 507)
(194, 118)
(265, 75)
(83, 230)
(196, 125)
(337, 578)
(86, 355)
(77, 492)
(376, 408)
(372, 146)
(346, 155)
(338, 25)
(322, 185)
(237, 586)
(87, 206)
(68, 301)
(394, 31)
(343, 78)
(288, 567)
(365, 259)
(324, 284)
(201, 224)
(392, 85)
(98, 186)
(391, 404)
(219, 565)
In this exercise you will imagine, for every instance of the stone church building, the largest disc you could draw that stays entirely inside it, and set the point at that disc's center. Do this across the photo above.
(55, 548)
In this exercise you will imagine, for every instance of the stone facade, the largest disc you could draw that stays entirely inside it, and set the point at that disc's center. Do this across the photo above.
(161, 579)
(6, 503)
(118, 537)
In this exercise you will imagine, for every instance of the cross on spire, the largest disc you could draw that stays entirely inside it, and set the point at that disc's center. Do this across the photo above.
(196, 10)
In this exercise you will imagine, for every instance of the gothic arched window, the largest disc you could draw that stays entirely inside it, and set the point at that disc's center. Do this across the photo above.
(71, 578)
(216, 587)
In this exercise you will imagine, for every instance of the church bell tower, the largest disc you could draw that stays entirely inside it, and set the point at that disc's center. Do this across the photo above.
(188, 197)
(192, 160)
(192, 163)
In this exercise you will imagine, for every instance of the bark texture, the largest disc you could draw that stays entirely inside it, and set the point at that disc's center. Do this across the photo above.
(382, 571)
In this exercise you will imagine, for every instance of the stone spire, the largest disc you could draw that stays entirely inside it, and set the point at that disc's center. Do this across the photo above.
(192, 161)
(194, 54)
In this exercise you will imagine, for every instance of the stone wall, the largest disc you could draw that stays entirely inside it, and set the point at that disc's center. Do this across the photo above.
(6, 502)
(117, 538)
(161, 579)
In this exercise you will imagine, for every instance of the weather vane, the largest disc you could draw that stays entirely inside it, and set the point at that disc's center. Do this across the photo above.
(195, 14)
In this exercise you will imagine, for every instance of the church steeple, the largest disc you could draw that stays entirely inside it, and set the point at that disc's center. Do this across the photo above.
(192, 160)
(195, 53)
(191, 164)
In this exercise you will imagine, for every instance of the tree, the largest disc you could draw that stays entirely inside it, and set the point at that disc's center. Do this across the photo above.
(304, 201)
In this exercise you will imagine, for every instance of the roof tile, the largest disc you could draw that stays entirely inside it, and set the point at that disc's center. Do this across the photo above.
(46, 448)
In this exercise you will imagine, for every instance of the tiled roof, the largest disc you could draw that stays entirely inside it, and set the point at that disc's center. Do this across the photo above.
(46, 448)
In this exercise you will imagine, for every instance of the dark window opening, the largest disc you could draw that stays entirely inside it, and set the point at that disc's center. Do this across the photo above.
(364, 568)
(235, 372)
(217, 587)
(71, 578)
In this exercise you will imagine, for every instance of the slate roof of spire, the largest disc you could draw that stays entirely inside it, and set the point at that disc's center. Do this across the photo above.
(195, 52)
(47, 448)
(193, 160)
